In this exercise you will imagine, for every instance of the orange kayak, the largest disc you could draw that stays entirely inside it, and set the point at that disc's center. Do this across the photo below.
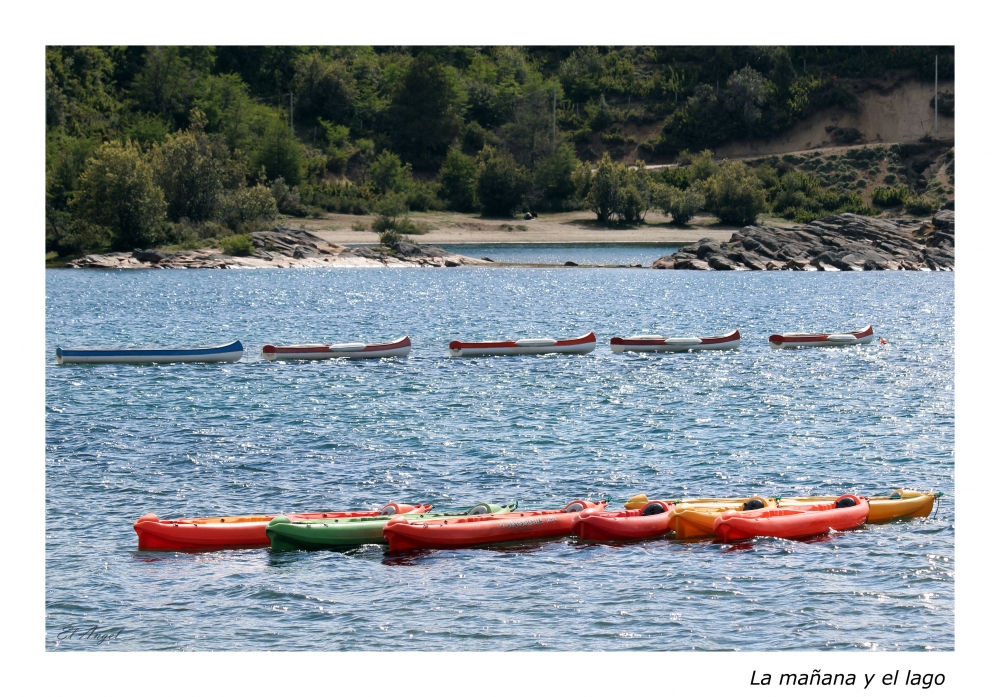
(404, 534)
(652, 520)
(235, 531)
(847, 512)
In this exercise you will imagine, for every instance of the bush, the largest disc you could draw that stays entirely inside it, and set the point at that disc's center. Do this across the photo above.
(681, 204)
(921, 206)
(359, 226)
(735, 194)
(423, 197)
(554, 178)
(700, 166)
(388, 173)
(279, 153)
(458, 181)
(237, 245)
(288, 199)
(502, 184)
(884, 197)
(117, 192)
(390, 238)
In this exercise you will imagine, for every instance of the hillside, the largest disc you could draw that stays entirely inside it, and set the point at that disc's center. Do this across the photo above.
(208, 142)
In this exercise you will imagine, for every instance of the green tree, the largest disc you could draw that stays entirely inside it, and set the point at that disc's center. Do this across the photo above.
(554, 177)
(425, 115)
(324, 88)
(701, 166)
(606, 191)
(193, 168)
(458, 181)
(117, 191)
(279, 153)
(388, 173)
(249, 208)
(680, 204)
(746, 92)
(735, 194)
(502, 184)
(167, 82)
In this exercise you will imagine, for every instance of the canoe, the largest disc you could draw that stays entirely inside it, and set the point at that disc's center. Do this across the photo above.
(581, 344)
(902, 503)
(234, 531)
(847, 512)
(404, 534)
(694, 518)
(313, 352)
(230, 353)
(652, 520)
(799, 339)
(286, 534)
(653, 342)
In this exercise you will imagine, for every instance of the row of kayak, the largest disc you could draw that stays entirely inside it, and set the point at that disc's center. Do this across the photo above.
(233, 352)
(412, 527)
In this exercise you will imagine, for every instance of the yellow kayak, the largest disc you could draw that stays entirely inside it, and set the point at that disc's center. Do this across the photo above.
(901, 503)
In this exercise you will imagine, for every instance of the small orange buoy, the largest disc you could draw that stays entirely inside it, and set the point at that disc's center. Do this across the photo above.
(882, 341)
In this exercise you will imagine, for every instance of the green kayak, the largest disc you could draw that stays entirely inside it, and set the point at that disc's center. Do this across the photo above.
(351, 532)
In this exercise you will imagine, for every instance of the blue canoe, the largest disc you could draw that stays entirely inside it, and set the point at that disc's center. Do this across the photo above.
(230, 353)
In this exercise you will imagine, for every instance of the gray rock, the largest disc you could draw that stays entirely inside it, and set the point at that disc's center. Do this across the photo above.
(151, 255)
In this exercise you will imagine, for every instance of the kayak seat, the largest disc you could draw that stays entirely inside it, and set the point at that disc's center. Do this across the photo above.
(654, 508)
(753, 505)
(845, 502)
(481, 509)
(574, 507)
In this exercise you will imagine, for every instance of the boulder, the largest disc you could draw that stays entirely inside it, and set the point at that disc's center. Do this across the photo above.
(153, 256)
(692, 264)
(570, 263)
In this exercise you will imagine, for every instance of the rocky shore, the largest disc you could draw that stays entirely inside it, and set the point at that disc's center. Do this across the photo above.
(280, 248)
(845, 242)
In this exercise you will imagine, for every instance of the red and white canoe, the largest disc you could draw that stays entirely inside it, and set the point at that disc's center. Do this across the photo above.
(796, 339)
(653, 342)
(581, 344)
(306, 352)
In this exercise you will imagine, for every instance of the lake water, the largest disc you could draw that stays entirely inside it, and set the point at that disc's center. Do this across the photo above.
(187, 440)
(583, 254)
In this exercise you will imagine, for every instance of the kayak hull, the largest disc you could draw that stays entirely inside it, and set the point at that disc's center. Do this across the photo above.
(695, 518)
(665, 344)
(284, 534)
(792, 522)
(230, 531)
(317, 352)
(475, 531)
(800, 340)
(622, 526)
(230, 353)
(581, 344)
(902, 504)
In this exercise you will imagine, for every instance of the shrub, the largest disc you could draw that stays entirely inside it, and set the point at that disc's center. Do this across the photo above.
(681, 204)
(700, 166)
(884, 197)
(288, 199)
(921, 206)
(237, 245)
(502, 184)
(390, 238)
(388, 173)
(616, 193)
(889, 179)
(735, 194)
(554, 178)
(279, 153)
(117, 192)
(359, 226)
(458, 181)
(423, 197)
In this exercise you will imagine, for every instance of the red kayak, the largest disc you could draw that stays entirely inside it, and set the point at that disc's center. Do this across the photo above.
(235, 531)
(403, 534)
(847, 512)
(652, 520)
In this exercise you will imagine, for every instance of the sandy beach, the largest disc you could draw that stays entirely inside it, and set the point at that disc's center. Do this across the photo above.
(577, 227)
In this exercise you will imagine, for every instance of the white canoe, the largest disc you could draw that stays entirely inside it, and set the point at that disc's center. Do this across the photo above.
(652, 342)
(313, 352)
(798, 339)
(581, 344)
(230, 353)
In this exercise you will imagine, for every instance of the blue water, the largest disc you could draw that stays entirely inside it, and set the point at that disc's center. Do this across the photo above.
(583, 254)
(185, 440)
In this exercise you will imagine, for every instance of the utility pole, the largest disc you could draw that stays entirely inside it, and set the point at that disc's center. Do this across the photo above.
(291, 110)
(935, 93)
(553, 118)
